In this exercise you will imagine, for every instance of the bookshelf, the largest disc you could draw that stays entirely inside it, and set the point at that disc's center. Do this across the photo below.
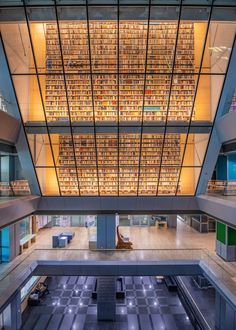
(128, 164)
(132, 55)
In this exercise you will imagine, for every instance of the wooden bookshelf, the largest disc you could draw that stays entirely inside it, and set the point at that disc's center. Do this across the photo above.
(128, 164)
(132, 55)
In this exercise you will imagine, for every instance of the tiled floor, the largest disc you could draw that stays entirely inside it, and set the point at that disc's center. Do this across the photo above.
(148, 305)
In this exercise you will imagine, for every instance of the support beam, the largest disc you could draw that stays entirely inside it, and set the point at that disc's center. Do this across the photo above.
(106, 231)
(225, 127)
(216, 137)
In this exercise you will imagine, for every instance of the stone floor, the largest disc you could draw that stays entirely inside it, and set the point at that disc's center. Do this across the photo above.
(183, 237)
(148, 305)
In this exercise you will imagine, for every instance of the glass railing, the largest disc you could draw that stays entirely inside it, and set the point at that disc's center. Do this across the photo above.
(221, 274)
(222, 187)
(14, 188)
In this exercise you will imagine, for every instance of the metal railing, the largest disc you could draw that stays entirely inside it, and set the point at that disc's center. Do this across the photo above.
(223, 187)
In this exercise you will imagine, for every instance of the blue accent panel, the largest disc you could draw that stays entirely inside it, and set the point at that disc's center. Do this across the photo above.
(221, 168)
(5, 244)
(232, 167)
(152, 108)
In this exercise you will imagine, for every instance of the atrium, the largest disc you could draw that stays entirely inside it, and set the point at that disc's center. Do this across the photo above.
(117, 164)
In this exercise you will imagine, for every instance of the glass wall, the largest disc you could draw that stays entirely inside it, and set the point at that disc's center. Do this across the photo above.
(118, 100)
(25, 227)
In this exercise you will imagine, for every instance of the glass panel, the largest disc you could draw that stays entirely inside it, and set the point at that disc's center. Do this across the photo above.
(162, 39)
(219, 42)
(151, 149)
(29, 98)
(105, 95)
(25, 227)
(74, 39)
(195, 149)
(128, 181)
(63, 150)
(131, 97)
(45, 39)
(156, 97)
(40, 149)
(132, 40)
(108, 180)
(182, 97)
(207, 97)
(104, 42)
(68, 182)
(17, 44)
(188, 180)
(168, 181)
(148, 179)
(129, 145)
(191, 39)
(48, 180)
(173, 149)
(88, 180)
(79, 97)
(54, 94)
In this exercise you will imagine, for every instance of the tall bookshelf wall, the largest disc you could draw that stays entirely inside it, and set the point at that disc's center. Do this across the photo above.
(112, 165)
(111, 173)
(104, 58)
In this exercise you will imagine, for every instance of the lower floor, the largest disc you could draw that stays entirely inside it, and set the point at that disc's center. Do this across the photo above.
(147, 305)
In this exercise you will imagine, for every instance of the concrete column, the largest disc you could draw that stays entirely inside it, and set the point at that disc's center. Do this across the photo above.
(225, 314)
(106, 298)
(106, 231)
(16, 312)
(172, 221)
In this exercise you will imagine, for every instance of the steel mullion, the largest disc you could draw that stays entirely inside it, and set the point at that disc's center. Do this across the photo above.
(194, 98)
(19, 109)
(40, 91)
(118, 94)
(66, 92)
(144, 90)
(170, 90)
(93, 106)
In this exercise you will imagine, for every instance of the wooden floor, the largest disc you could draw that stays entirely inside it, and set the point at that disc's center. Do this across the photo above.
(184, 237)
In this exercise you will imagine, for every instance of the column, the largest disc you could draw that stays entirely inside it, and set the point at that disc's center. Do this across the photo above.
(16, 312)
(225, 241)
(106, 231)
(225, 315)
(172, 221)
(106, 298)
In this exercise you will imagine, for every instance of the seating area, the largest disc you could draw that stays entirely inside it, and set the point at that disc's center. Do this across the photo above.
(122, 241)
(26, 241)
(37, 294)
(61, 240)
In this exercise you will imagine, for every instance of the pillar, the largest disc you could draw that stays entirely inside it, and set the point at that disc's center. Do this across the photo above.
(16, 312)
(172, 221)
(225, 241)
(106, 298)
(225, 314)
(106, 231)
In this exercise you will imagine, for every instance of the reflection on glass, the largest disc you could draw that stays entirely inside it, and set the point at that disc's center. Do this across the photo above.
(40, 149)
(207, 97)
(48, 180)
(29, 98)
(168, 181)
(188, 187)
(219, 42)
(195, 149)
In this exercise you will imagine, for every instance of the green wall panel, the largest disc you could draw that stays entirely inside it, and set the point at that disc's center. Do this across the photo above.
(231, 236)
(221, 232)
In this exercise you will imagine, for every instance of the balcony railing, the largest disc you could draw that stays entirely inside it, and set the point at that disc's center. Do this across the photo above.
(223, 187)
(14, 188)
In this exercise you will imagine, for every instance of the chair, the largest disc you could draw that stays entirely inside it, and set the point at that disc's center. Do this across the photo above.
(123, 242)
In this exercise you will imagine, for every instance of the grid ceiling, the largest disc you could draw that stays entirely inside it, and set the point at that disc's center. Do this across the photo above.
(118, 93)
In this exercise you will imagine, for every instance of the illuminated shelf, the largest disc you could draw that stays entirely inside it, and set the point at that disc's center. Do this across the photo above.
(104, 57)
